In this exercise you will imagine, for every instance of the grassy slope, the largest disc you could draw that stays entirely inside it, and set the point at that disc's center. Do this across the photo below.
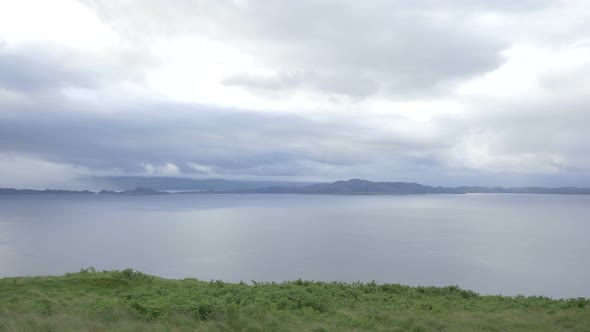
(131, 301)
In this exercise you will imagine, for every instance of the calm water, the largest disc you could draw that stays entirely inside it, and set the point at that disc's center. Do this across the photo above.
(493, 244)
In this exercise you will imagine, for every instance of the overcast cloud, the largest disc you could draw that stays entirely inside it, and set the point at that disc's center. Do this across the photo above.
(438, 92)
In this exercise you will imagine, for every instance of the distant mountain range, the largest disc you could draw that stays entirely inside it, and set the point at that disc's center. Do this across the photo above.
(350, 187)
(365, 187)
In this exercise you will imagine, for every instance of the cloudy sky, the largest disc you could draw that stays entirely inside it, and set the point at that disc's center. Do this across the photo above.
(439, 92)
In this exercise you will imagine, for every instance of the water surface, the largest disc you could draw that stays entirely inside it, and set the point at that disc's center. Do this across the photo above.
(490, 243)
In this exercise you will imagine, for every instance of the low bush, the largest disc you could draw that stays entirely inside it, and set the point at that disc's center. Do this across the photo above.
(130, 300)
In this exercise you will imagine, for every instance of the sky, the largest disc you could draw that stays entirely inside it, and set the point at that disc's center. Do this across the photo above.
(441, 92)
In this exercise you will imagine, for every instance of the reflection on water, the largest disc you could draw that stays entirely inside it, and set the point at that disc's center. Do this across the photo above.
(493, 244)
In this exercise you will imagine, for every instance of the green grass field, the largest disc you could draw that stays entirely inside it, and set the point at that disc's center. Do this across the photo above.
(132, 301)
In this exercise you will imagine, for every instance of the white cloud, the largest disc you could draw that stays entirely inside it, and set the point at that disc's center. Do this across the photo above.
(64, 22)
(167, 169)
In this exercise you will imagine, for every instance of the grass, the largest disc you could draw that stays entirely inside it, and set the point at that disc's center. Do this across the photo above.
(132, 301)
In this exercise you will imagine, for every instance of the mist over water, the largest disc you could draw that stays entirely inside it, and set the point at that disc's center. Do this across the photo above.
(492, 244)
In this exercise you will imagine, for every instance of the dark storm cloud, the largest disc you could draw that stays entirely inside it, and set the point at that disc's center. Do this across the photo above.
(228, 141)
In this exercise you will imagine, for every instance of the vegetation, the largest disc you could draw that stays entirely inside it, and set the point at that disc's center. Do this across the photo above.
(132, 301)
